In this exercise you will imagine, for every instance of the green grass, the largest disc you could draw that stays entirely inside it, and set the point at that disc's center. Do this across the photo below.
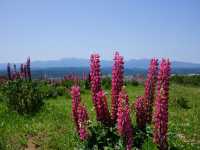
(52, 127)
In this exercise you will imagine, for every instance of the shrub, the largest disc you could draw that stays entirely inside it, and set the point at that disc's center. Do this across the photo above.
(182, 103)
(60, 90)
(23, 96)
(102, 137)
(186, 79)
(132, 82)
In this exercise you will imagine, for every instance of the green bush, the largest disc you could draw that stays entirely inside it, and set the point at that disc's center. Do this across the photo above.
(23, 96)
(186, 79)
(102, 137)
(132, 82)
(1, 97)
(48, 91)
(68, 83)
(60, 90)
(182, 103)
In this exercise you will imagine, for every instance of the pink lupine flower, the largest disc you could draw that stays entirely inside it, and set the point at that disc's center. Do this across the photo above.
(123, 102)
(117, 83)
(95, 82)
(76, 98)
(128, 129)
(124, 125)
(160, 116)
(82, 122)
(102, 108)
(140, 112)
(150, 86)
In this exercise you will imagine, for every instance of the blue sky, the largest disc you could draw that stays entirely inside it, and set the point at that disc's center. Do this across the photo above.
(54, 29)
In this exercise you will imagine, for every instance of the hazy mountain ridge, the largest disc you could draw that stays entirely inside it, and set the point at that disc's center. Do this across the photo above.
(78, 62)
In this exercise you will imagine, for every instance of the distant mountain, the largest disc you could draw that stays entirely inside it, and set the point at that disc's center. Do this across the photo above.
(76, 62)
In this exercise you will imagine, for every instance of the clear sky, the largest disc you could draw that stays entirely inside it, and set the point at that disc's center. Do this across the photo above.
(54, 29)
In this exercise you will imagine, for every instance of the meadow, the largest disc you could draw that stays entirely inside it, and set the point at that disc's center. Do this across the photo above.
(53, 127)
(96, 112)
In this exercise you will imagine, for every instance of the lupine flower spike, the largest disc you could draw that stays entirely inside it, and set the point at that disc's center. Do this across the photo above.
(124, 125)
(95, 82)
(140, 112)
(150, 86)
(82, 122)
(117, 83)
(160, 116)
(76, 98)
(102, 108)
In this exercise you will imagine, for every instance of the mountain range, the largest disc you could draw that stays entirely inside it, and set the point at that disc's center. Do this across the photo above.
(79, 62)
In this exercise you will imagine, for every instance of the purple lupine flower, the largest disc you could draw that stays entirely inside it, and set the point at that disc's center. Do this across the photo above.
(82, 122)
(150, 86)
(95, 82)
(124, 125)
(160, 115)
(9, 71)
(76, 98)
(140, 112)
(117, 83)
(102, 108)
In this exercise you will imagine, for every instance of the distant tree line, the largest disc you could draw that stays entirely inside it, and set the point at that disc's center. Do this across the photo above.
(186, 79)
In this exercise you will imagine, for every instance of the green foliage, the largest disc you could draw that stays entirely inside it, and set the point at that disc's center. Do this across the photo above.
(48, 91)
(102, 137)
(87, 84)
(51, 91)
(68, 83)
(182, 102)
(23, 96)
(1, 97)
(132, 82)
(106, 82)
(60, 90)
(53, 128)
(186, 80)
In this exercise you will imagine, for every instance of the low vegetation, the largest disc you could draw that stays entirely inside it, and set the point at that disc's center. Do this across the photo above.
(38, 114)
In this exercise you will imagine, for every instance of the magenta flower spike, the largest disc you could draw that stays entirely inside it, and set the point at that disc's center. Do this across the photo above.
(124, 125)
(95, 82)
(76, 99)
(160, 116)
(102, 108)
(82, 122)
(117, 83)
(141, 112)
(150, 86)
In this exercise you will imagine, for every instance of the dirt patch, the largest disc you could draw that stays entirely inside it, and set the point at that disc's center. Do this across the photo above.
(30, 144)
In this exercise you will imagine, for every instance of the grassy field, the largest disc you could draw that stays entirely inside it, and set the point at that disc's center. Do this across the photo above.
(52, 127)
